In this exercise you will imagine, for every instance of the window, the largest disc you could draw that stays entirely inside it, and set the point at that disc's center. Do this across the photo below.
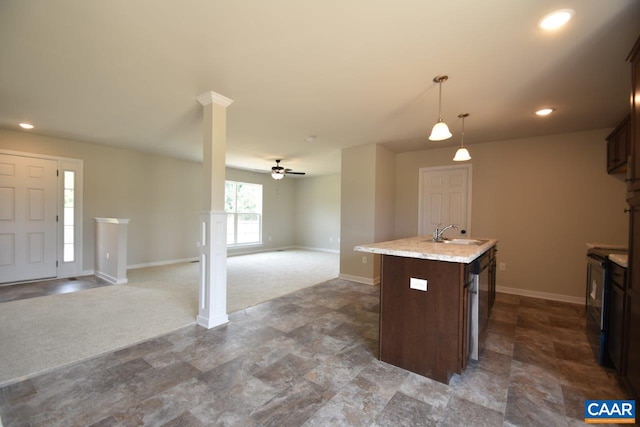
(243, 205)
(68, 217)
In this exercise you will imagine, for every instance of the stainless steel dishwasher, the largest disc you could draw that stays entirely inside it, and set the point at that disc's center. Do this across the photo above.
(478, 288)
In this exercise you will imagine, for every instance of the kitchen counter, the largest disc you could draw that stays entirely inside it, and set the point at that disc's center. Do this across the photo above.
(423, 247)
(434, 314)
(621, 260)
(604, 246)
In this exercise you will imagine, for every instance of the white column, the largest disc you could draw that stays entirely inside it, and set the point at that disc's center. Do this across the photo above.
(212, 306)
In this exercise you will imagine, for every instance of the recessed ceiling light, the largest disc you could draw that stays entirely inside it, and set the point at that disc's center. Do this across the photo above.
(556, 19)
(26, 126)
(545, 111)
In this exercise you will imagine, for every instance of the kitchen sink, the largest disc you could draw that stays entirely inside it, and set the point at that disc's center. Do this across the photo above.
(464, 241)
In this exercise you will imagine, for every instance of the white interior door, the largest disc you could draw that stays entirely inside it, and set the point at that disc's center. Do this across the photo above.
(28, 238)
(445, 198)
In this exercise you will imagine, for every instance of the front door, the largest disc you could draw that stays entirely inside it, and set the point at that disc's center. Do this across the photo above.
(445, 199)
(28, 242)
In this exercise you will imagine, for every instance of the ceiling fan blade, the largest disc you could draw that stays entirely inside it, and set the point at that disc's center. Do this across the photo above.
(296, 173)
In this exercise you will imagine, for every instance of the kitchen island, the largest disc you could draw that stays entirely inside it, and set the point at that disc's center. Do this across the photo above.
(435, 301)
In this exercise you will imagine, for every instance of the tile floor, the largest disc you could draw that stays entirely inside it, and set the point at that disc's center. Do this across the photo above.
(309, 358)
(49, 287)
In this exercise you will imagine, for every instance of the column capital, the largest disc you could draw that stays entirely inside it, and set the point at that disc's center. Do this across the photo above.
(214, 98)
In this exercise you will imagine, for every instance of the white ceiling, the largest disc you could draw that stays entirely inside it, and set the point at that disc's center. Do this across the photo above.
(127, 73)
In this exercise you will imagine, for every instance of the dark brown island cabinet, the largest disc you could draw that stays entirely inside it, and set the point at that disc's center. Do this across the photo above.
(435, 302)
(631, 329)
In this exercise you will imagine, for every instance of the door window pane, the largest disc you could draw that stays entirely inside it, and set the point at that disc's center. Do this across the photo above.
(68, 217)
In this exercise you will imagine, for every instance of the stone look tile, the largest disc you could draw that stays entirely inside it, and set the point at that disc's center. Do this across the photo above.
(405, 410)
(481, 386)
(461, 412)
(499, 344)
(164, 407)
(286, 371)
(534, 396)
(310, 358)
(352, 406)
(184, 420)
(293, 406)
(235, 406)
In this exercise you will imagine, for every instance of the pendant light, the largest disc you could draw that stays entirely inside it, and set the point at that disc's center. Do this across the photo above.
(462, 155)
(440, 130)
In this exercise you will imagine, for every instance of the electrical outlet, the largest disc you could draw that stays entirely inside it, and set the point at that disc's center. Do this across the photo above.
(108, 255)
(364, 259)
(503, 266)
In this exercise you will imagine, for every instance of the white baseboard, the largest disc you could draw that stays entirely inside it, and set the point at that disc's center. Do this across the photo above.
(110, 279)
(249, 251)
(307, 248)
(159, 263)
(543, 295)
(358, 279)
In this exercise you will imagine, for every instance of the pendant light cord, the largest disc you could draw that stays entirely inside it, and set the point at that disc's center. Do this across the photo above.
(440, 102)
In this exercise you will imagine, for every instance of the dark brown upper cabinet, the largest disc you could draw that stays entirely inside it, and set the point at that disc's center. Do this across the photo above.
(618, 143)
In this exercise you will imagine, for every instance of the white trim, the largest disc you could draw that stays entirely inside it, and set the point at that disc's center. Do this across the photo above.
(160, 263)
(358, 279)
(113, 220)
(110, 279)
(232, 252)
(214, 98)
(307, 248)
(542, 295)
(421, 171)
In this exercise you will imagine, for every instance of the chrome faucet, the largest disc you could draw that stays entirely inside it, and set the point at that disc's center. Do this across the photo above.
(437, 233)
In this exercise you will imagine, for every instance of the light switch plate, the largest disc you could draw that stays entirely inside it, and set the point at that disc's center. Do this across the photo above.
(418, 284)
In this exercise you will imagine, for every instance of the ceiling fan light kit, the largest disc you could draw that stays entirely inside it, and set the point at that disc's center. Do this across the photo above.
(440, 130)
(278, 172)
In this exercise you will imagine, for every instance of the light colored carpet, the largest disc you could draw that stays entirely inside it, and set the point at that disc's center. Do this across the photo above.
(40, 334)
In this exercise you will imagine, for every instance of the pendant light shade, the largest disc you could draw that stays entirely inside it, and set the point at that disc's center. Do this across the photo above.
(277, 175)
(440, 130)
(462, 155)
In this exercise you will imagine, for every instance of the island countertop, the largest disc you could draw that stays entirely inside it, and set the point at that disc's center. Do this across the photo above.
(423, 247)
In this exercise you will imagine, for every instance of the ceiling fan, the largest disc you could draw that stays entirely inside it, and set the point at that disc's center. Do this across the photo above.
(278, 172)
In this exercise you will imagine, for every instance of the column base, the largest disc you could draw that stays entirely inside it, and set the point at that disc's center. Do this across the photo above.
(212, 322)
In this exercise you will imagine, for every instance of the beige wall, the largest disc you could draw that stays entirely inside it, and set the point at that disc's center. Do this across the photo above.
(162, 196)
(357, 210)
(317, 212)
(367, 207)
(543, 198)
(385, 196)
